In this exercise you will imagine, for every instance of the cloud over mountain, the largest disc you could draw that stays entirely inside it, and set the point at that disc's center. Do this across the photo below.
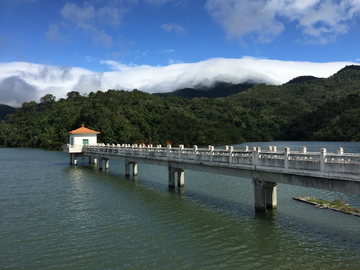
(23, 82)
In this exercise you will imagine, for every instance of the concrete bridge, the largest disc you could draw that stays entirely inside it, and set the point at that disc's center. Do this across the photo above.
(338, 172)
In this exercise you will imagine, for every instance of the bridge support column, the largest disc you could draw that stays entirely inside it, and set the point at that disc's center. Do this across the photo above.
(271, 195)
(90, 160)
(134, 169)
(180, 177)
(73, 159)
(100, 163)
(127, 168)
(265, 194)
(171, 177)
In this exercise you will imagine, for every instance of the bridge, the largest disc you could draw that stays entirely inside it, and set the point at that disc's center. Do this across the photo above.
(339, 172)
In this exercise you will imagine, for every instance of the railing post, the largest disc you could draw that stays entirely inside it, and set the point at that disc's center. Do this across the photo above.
(148, 148)
(181, 147)
(168, 147)
(230, 154)
(195, 150)
(211, 148)
(157, 150)
(286, 157)
(340, 151)
(255, 155)
(322, 159)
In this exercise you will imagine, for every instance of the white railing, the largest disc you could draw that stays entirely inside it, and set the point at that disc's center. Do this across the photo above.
(67, 148)
(269, 160)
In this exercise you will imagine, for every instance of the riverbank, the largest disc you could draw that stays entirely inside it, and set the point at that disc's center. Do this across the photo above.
(336, 205)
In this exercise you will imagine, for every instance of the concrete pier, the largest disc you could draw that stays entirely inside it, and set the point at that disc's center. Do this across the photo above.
(73, 159)
(265, 195)
(101, 161)
(180, 176)
(127, 168)
(271, 195)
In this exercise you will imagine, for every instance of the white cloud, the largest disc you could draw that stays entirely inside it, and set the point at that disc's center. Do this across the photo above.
(22, 82)
(85, 17)
(82, 17)
(90, 58)
(173, 27)
(53, 33)
(91, 19)
(100, 37)
(167, 51)
(172, 61)
(322, 20)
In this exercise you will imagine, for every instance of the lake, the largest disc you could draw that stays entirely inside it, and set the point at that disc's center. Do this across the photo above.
(57, 216)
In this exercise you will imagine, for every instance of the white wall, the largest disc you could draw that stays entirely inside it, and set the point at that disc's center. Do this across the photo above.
(78, 138)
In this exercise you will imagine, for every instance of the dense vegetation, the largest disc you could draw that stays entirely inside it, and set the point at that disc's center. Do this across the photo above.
(306, 108)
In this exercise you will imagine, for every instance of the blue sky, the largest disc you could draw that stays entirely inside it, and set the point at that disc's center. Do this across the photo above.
(162, 45)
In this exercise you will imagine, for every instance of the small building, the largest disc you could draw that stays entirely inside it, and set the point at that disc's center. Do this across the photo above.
(83, 136)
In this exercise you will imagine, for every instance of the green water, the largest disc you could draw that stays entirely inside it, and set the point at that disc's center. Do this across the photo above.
(56, 216)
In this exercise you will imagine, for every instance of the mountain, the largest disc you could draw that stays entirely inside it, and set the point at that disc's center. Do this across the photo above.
(302, 94)
(305, 108)
(309, 108)
(218, 89)
(5, 110)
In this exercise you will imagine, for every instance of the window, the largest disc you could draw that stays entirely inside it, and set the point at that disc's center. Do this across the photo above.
(85, 141)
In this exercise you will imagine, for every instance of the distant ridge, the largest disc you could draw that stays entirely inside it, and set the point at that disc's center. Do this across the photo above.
(218, 89)
(353, 67)
(301, 79)
(5, 110)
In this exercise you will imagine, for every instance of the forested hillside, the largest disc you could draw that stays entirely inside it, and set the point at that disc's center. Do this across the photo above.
(131, 117)
(306, 108)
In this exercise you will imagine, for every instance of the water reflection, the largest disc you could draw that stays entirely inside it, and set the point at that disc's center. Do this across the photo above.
(80, 217)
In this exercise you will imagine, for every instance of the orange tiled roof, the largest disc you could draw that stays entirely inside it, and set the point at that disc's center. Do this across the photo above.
(83, 130)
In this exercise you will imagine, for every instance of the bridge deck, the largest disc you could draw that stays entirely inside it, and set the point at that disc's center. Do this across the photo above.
(338, 165)
(338, 172)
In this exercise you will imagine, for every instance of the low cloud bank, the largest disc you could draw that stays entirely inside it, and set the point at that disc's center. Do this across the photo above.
(23, 82)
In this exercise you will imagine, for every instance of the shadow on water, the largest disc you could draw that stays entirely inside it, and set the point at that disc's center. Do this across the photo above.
(271, 220)
(181, 193)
